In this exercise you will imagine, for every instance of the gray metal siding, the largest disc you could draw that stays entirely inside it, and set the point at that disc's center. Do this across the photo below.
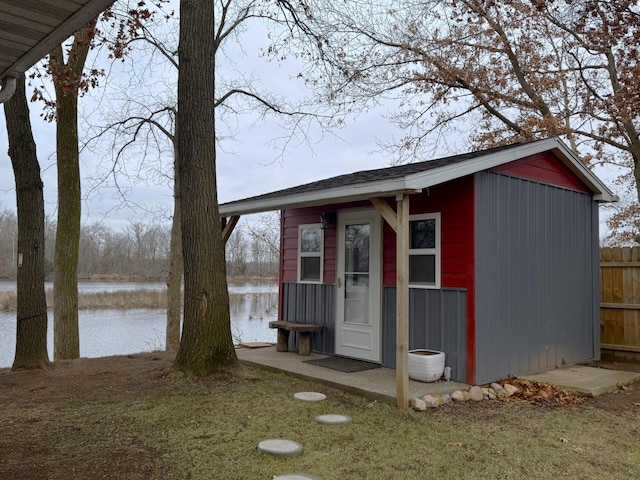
(315, 304)
(535, 268)
(437, 320)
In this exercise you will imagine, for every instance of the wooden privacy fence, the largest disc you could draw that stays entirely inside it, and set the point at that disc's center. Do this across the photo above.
(620, 303)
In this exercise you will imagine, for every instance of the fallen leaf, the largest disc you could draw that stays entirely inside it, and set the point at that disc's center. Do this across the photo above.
(563, 440)
(637, 404)
(456, 444)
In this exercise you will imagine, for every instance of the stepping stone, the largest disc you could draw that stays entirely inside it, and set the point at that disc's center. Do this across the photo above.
(280, 447)
(310, 396)
(333, 419)
(296, 476)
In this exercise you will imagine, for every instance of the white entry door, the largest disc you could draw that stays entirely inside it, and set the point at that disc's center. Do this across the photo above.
(358, 295)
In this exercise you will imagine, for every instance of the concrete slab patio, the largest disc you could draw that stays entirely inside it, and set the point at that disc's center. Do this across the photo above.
(588, 380)
(378, 384)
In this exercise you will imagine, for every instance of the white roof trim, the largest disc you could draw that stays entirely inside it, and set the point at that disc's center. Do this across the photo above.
(450, 172)
(416, 182)
(350, 193)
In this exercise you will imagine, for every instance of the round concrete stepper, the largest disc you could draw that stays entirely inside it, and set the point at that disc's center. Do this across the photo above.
(333, 419)
(280, 447)
(296, 476)
(310, 396)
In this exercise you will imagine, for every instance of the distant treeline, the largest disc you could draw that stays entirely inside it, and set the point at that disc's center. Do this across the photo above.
(141, 250)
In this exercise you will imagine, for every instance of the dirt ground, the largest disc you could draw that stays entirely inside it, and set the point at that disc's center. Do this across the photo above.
(27, 446)
(115, 380)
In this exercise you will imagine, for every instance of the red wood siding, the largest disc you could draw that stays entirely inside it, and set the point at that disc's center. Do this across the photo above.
(454, 200)
(291, 219)
(545, 168)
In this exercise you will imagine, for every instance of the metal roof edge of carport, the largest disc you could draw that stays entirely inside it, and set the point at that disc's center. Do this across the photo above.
(60, 31)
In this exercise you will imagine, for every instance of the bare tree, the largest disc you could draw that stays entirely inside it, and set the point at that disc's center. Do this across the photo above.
(71, 81)
(236, 249)
(31, 334)
(265, 236)
(150, 120)
(68, 80)
(494, 72)
(206, 343)
(176, 268)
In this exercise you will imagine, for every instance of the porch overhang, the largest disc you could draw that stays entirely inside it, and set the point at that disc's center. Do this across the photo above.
(312, 199)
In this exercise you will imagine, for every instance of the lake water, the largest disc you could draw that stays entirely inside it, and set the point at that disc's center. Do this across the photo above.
(120, 332)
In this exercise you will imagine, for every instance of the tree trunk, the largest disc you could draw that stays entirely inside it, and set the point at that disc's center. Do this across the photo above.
(66, 341)
(31, 335)
(206, 342)
(176, 266)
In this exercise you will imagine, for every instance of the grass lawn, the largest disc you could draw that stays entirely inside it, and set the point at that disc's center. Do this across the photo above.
(134, 418)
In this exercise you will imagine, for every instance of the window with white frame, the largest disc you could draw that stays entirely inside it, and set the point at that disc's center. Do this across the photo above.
(310, 248)
(424, 250)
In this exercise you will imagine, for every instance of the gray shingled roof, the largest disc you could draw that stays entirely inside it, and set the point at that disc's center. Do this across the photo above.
(411, 178)
(378, 174)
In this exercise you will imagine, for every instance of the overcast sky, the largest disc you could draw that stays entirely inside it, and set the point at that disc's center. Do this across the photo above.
(247, 165)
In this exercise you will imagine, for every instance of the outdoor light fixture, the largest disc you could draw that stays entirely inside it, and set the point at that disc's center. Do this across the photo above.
(327, 219)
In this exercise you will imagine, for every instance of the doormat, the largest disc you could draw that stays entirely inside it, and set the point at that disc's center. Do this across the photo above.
(347, 365)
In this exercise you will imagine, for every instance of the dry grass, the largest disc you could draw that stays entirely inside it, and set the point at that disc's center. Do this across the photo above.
(125, 422)
(142, 298)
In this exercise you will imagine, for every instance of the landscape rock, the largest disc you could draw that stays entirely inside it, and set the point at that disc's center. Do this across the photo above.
(418, 404)
(446, 398)
(492, 395)
(509, 389)
(497, 388)
(465, 395)
(476, 394)
(457, 396)
(431, 401)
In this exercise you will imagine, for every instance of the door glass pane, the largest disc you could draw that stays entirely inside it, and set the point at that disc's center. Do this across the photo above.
(356, 299)
(356, 248)
(356, 254)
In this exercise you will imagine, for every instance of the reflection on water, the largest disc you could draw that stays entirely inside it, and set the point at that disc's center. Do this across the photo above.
(120, 332)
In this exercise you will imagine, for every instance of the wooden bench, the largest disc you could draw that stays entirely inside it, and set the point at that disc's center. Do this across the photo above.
(304, 335)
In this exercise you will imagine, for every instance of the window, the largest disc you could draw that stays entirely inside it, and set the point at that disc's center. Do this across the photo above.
(424, 250)
(310, 248)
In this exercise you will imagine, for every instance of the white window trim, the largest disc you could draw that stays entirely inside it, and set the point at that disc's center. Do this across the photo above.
(310, 254)
(428, 251)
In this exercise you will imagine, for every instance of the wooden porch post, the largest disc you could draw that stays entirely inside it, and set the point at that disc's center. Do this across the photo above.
(402, 302)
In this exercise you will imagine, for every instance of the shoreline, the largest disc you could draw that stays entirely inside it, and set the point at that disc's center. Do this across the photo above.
(140, 279)
(121, 299)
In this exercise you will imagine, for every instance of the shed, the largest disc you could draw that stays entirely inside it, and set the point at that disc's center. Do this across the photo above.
(497, 252)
